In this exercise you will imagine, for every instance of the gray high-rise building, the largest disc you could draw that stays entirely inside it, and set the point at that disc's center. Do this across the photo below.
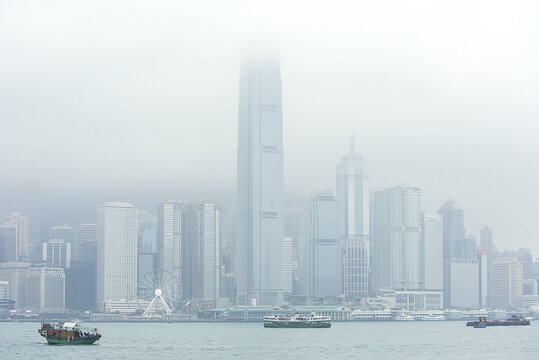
(260, 182)
(202, 238)
(486, 242)
(433, 251)
(169, 237)
(57, 253)
(398, 239)
(353, 223)
(453, 220)
(8, 242)
(62, 232)
(85, 240)
(353, 196)
(326, 250)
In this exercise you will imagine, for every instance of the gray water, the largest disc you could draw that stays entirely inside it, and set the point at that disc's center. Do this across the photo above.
(366, 340)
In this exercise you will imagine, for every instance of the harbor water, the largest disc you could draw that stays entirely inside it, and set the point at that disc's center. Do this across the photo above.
(344, 340)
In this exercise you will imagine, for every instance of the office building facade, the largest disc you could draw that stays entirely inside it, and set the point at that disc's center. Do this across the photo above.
(116, 252)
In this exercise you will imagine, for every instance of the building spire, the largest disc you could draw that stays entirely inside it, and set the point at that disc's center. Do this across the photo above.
(352, 143)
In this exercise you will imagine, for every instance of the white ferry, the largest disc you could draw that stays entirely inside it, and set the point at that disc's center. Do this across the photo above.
(405, 317)
(297, 321)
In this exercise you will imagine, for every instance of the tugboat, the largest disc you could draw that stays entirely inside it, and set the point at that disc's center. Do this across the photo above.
(68, 333)
(515, 320)
(297, 321)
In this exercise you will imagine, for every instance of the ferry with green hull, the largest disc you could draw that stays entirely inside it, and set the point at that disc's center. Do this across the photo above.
(297, 321)
(68, 333)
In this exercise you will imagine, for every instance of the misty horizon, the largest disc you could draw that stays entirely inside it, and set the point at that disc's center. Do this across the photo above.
(96, 109)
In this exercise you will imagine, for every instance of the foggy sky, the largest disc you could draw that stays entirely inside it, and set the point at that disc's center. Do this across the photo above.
(137, 100)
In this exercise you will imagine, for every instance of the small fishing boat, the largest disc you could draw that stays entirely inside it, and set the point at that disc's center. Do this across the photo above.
(68, 333)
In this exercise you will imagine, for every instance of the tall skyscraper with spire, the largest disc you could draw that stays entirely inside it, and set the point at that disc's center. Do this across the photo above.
(353, 195)
(353, 218)
(260, 182)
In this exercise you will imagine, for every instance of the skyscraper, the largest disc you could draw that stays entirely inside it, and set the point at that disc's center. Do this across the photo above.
(116, 252)
(353, 223)
(45, 289)
(356, 268)
(288, 265)
(20, 223)
(15, 274)
(260, 182)
(62, 232)
(85, 239)
(433, 251)
(169, 237)
(8, 242)
(482, 260)
(506, 283)
(57, 253)
(353, 196)
(202, 238)
(453, 220)
(326, 250)
(398, 240)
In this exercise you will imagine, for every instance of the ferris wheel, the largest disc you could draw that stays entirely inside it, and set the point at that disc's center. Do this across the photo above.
(161, 288)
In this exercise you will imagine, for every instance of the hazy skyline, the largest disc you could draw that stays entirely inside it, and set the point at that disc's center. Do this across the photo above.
(139, 101)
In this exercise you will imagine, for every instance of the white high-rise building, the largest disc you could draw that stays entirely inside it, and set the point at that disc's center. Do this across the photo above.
(397, 227)
(45, 290)
(259, 245)
(326, 250)
(288, 264)
(57, 253)
(84, 239)
(116, 252)
(169, 237)
(433, 251)
(506, 283)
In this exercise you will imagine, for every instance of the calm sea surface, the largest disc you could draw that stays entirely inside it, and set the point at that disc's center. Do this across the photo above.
(367, 340)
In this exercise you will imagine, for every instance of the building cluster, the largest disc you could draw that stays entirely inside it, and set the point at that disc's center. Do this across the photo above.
(356, 246)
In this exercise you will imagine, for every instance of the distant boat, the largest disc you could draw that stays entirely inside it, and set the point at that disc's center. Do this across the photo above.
(480, 326)
(515, 320)
(404, 317)
(297, 321)
(432, 317)
(68, 333)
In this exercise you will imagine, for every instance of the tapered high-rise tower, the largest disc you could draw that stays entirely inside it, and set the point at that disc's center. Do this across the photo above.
(260, 182)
